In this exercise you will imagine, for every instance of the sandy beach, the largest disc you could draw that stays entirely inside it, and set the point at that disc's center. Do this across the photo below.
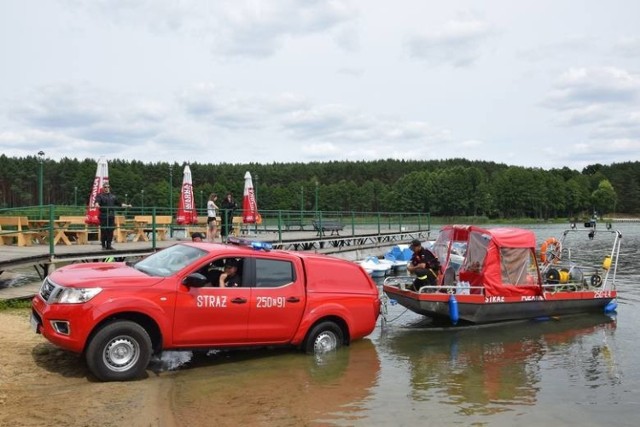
(43, 385)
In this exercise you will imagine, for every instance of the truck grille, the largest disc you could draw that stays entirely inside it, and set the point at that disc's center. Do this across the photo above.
(47, 289)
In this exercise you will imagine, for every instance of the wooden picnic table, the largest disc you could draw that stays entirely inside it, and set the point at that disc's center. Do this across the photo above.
(60, 228)
(15, 227)
(131, 227)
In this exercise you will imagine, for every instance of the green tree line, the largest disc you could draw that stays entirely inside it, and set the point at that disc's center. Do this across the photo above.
(454, 187)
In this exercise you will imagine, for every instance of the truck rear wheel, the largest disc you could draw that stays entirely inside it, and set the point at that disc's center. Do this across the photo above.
(324, 337)
(120, 351)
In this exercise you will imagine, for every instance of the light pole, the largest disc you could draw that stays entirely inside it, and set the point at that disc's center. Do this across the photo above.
(126, 198)
(170, 189)
(40, 178)
(301, 203)
(75, 195)
(142, 198)
(201, 195)
(316, 199)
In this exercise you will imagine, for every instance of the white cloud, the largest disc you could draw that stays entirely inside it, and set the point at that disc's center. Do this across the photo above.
(471, 143)
(234, 28)
(590, 152)
(598, 100)
(583, 115)
(558, 49)
(627, 46)
(321, 150)
(598, 85)
(623, 126)
(458, 43)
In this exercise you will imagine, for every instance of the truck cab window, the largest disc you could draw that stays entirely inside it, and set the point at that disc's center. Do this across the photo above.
(273, 273)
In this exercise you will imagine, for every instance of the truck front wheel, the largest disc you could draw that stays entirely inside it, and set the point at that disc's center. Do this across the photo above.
(324, 337)
(120, 351)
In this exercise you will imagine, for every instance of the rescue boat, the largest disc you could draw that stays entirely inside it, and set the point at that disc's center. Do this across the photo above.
(501, 276)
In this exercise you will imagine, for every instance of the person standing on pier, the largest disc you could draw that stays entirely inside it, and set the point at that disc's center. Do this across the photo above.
(212, 208)
(228, 206)
(107, 201)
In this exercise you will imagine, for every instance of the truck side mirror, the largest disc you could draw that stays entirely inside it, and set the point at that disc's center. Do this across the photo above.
(195, 280)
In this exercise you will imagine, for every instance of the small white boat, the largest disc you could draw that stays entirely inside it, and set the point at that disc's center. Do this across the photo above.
(376, 267)
(399, 256)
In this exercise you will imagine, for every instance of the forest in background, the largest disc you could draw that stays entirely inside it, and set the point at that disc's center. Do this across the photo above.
(454, 187)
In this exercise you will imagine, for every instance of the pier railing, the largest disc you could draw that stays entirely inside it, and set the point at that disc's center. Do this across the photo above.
(57, 226)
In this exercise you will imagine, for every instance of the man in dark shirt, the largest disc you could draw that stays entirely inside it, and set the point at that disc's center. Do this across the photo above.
(230, 276)
(424, 262)
(227, 207)
(107, 201)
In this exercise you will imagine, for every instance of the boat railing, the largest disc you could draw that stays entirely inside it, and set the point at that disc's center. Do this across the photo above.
(405, 283)
(460, 288)
(565, 287)
(571, 273)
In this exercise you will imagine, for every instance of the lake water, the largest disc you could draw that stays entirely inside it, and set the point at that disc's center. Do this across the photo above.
(580, 370)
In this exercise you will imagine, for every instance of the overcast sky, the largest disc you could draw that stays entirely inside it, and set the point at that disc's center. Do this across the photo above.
(537, 83)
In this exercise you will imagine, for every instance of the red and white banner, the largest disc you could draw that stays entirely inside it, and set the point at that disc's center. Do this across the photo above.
(187, 213)
(102, 177)
(249, 204)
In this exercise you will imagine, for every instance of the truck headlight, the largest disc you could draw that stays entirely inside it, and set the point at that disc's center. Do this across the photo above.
(75, 295)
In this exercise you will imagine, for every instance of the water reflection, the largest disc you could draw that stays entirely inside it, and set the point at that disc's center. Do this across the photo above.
(487, 370)
(274, 387)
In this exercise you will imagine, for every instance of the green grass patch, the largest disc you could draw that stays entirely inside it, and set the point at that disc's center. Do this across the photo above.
(15, 303)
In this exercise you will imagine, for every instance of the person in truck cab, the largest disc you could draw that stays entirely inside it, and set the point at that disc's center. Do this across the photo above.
(197, 237)
(212, 272)
(230, 276)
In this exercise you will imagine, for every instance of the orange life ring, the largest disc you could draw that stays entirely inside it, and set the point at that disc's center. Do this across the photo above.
(553, 248)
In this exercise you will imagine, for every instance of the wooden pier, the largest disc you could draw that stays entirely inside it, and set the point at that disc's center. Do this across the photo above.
(353, 246)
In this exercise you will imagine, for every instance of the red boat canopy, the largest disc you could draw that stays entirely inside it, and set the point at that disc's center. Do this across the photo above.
(503, 260)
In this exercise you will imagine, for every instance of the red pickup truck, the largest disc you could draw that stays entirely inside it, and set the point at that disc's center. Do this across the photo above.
(194, 296)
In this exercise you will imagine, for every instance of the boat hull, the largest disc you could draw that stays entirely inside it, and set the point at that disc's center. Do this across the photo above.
(481, 309)
(377, 273)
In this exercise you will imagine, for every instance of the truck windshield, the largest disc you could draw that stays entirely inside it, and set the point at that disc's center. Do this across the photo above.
(169, 261)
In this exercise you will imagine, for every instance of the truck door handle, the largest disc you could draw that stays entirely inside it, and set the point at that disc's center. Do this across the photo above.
(239, 300)
(293, 299)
